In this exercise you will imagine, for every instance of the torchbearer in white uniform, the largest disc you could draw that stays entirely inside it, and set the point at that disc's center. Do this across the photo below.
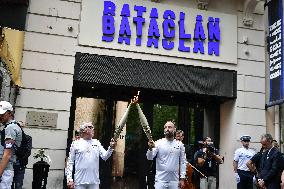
(85, 153)
(170, 161)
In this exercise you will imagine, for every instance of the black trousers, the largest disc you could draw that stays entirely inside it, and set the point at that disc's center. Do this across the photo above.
(246, 180)
(273, 185)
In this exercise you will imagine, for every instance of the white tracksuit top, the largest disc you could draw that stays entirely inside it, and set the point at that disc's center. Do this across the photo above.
(85, 154)
(170, 158)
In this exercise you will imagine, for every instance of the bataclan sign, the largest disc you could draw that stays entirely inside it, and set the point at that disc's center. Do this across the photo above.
(169, 29)
(171, 25)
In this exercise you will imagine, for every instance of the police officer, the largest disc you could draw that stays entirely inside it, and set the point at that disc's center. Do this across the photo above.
(242, 155)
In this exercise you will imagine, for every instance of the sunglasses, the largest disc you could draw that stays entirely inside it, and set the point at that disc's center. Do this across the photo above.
(90, 127)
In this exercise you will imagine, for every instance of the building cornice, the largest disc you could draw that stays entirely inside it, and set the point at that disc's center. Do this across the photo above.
(249, 7)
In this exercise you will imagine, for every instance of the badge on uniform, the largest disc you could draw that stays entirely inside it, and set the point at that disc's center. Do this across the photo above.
(8, 145)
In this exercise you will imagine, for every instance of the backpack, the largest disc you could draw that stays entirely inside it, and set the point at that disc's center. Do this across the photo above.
(24, 150)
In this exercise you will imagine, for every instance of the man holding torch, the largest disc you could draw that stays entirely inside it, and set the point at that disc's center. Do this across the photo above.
(170, 161)
(170, 153)
(85, 153)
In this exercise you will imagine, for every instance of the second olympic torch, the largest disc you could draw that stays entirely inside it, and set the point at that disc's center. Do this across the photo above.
(121, 124)
(144, 123)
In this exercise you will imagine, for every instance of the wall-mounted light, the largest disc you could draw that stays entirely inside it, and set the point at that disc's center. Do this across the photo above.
(245, 39)
(202, 4)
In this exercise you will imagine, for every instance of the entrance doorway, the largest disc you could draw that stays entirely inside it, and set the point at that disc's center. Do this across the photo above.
(189, 95)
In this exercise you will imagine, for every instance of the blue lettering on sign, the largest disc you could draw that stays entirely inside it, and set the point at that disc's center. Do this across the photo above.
(213, 36)
(169, 28)
(199, 36)
(182, 35)
(124, 31)
(108, 21)
(153, 31)
(139, 22)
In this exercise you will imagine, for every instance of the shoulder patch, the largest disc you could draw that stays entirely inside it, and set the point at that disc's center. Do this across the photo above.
(9, 143)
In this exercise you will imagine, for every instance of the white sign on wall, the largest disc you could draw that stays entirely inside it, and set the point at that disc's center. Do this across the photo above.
(157, 28)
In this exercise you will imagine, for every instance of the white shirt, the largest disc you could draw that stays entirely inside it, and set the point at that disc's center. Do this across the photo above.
(170, 158)
(242, 155)
(85, 154)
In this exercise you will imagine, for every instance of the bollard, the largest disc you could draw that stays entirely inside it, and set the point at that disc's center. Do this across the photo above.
(40, 174)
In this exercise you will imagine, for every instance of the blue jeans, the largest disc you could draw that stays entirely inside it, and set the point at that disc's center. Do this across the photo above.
(6, 179)
(19, 173)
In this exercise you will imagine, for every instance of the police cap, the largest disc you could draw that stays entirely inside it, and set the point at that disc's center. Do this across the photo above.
(245, 138)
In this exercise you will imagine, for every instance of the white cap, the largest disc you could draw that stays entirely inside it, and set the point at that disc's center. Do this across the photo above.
(5, 106)
(84, 125)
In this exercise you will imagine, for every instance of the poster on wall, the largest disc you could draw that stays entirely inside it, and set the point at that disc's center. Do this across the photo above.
(275, 49)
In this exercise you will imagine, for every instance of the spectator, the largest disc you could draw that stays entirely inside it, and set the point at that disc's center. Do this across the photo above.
(207, 159)
(269, 175)
(11, 137)
(21, 162)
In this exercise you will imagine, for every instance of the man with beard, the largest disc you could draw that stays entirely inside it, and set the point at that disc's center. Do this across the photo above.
(170, 161)
(207, 160)
(244, 176)
(85, 153)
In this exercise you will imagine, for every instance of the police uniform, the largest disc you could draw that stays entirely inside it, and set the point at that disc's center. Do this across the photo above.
(170, 156)
(242, 156)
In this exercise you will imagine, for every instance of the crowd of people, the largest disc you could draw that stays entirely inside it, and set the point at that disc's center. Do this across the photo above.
(174, 159)
(171, 155)
(262, 169)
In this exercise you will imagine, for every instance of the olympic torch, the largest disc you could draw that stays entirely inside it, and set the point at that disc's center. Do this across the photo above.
(121, 124)
(144, 123)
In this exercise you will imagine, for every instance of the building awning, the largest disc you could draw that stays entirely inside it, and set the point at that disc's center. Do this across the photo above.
(11, 48)
(166, 78)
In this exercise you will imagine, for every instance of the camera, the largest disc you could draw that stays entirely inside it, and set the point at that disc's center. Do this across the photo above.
(210, 148)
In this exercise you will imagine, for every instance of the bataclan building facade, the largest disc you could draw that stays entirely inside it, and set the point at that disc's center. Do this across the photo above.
(200, 63)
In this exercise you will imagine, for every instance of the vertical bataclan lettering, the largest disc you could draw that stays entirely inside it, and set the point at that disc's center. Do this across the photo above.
(124, 30)
(139, 22)
(168, 29)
